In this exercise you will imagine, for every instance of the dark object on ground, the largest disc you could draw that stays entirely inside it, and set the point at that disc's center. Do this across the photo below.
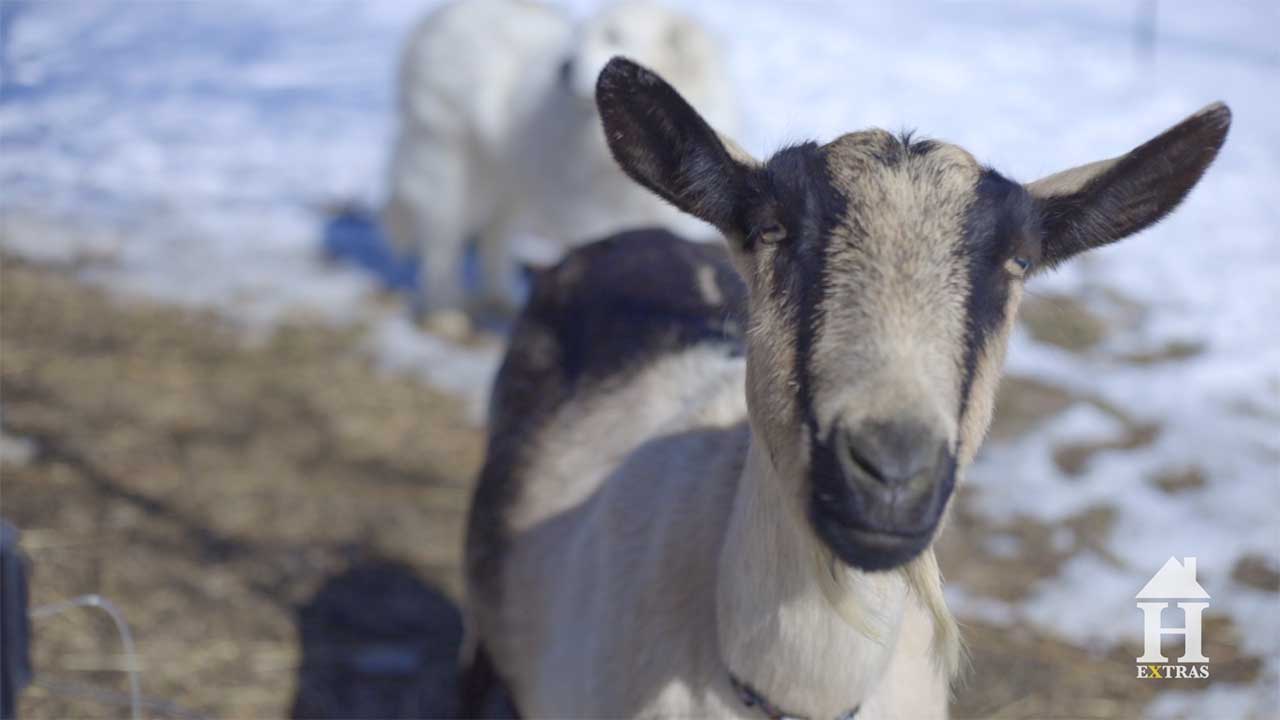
(15, 655)
(481, 693)
(378, 642)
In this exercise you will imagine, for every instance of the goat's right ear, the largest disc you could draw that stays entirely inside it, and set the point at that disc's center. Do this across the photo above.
(662, 143)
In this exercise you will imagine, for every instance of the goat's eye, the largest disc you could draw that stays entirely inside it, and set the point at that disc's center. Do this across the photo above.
(1025, 255)
(1018, 265)
(771, 234)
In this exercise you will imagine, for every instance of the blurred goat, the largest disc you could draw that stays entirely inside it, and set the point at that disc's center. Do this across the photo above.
(714, 478)
(499, 135)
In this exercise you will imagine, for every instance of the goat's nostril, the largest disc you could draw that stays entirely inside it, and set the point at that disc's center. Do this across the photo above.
(566, 72)
(891, 453)
(862, 462)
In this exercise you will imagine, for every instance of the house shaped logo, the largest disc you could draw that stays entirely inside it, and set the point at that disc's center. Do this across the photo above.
(1175, 582)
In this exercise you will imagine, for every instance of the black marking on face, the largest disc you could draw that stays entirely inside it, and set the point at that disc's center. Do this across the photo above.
(999, 226)
(802, 198)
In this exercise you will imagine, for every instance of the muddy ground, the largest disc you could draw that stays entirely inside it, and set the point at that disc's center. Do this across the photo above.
(280, 522)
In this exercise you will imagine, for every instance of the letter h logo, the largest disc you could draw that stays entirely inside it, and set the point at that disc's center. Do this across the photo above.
(1173, 581)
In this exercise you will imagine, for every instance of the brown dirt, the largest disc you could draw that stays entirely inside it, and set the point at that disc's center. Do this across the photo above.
(212, 490)
(1258, 572)
(1073, 458)
(1176, 480)
(1171, 351)
(1023, 402)
(1062, 320)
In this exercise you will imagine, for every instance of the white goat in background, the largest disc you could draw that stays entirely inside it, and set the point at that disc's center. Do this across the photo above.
(499, 135)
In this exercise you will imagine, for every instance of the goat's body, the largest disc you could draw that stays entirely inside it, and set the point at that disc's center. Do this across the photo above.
(592, 606)
(636, 646)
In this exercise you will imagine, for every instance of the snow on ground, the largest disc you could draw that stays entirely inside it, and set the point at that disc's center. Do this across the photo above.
(192, 143)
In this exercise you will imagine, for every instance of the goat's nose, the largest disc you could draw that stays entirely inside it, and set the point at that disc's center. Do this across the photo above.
(892, 454)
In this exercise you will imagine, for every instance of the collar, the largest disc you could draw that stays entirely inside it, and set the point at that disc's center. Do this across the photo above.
(752, 698)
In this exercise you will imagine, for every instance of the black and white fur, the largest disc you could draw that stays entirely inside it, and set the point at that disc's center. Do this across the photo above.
(707, 462)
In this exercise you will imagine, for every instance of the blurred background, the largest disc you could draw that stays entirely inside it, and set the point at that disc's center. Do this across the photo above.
(216, 415)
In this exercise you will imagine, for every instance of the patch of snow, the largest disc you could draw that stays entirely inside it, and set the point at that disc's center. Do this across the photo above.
(971, 606)
(1002, 545)
(15, 449)
(1217, 701)
(466, 372)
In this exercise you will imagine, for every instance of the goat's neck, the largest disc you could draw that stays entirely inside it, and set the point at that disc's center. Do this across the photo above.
(812, 635)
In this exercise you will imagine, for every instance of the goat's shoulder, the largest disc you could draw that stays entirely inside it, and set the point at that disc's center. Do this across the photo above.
(610, 316)
(596, 330)
(616, 305)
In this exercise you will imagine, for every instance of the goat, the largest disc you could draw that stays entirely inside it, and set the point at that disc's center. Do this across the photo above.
(715, 475)
(499, 135)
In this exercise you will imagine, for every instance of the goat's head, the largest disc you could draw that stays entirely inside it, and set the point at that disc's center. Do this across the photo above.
(883, 276)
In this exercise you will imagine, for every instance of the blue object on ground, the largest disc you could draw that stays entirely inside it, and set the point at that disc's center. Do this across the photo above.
(353, 235)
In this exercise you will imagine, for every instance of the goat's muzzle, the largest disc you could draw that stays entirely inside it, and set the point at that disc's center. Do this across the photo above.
(879, 490)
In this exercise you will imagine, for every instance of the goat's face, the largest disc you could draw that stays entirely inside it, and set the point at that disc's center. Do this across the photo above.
(883, 277)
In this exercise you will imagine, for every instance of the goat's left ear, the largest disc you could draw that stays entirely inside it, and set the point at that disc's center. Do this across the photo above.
(1102, 202)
